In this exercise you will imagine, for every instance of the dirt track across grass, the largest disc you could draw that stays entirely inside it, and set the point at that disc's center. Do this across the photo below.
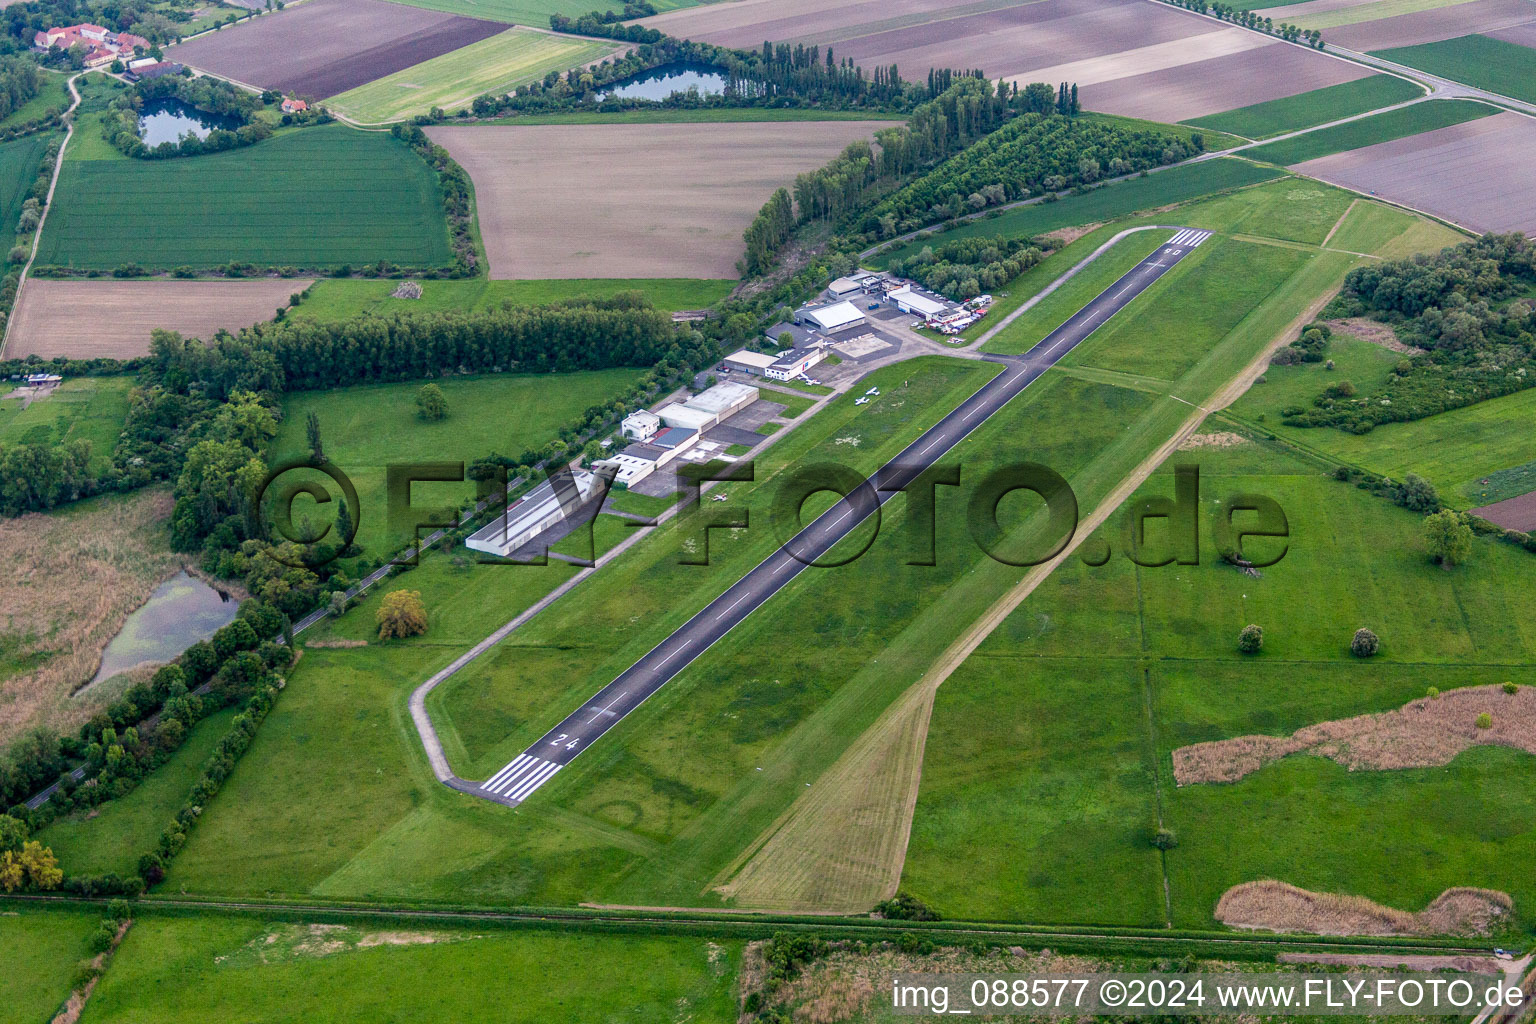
(86, 319)
(618, 200)
(323, 47)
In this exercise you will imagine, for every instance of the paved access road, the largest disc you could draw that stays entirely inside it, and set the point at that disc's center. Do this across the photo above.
(562, 744)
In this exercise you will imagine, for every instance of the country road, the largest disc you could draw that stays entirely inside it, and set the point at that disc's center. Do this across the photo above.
(519, 779)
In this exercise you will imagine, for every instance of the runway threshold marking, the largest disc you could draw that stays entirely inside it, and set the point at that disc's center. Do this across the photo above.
(519, 779)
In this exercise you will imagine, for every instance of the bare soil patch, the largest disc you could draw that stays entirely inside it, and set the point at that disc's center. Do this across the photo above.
(1274, 906)
(1064, 237)
(1517, 513)
(68, 580)
(324, 47)
(619, 200)
(1216, 439)
(1479, 16)
(1424, 733)
(1373, 331)
(1428, 171)
(85, 319)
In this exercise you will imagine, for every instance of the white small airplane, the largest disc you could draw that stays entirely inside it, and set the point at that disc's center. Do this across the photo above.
(718, 497)
(860, 401)
(872, 391)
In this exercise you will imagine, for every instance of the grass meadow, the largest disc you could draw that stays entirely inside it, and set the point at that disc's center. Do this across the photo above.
(1456, 450)
(53, 94)
(1293, 113)
(322, 197)
(1108, 202)
(369, 427)
(1048, 768)
(341, 299)
(39, 953)
(450, 82)
(1492, 64)
(184, 970)
(81, 409)
(1368, 131)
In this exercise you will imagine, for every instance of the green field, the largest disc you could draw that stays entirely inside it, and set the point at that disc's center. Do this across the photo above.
(39, 950)
(317, 198)
(1493, 64)
(1048, 767)
(1175, 185)
(1455, 450)
(194, 970)
(1374, 11)
(1292, 113)
(1368, 131)
(498, 65)
(335, 299)
(20, 160)
(82, 408)
(112, 837)
(528, 12)
(53, 93)
(369, 427)
(1379, 230)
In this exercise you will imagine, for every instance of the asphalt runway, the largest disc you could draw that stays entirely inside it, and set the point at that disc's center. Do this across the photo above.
(540, 762)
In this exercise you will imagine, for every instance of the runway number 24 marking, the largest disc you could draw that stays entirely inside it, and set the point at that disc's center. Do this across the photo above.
(569, 746)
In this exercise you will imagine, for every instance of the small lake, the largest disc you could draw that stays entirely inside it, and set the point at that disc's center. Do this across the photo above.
(181, 611)
(659, 83)
(168, 120)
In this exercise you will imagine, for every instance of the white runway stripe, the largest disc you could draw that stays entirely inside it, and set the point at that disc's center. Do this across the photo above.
(534, 781)
(488, 783)
(529, 764)
(1178, 239)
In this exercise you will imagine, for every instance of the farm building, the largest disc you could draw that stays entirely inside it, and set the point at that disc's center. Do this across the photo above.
(293, 106)
(724, 400)
(542, 508)
(747, 361)
(102, 46)
(792, 364)
(144, 70)
(640, 426)
(832, 319)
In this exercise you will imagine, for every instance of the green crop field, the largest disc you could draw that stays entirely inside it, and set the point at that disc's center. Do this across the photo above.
(1292, 113)
(495, 65)
(369, 427)
(321, 197)
(1368, 131)
(1375, 11)
(1044, 777)
(39, 950)
(20, 161)
(341, 299)
(82, 408)
(1175, 185)
(1492, 64)
(194, 970)
(1455, 450)
(528, 12)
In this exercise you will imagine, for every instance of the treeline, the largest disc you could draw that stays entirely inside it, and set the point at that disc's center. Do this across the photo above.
(20, 81)
(1465, 306)
(1034, 154)
(610, 24)
(455, 189)
(1251, 19)
(210, 95)
(966, 267)
(965, 111)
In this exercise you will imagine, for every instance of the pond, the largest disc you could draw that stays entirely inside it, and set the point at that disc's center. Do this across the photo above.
(181, 611)
(661, 82)
(168, 120)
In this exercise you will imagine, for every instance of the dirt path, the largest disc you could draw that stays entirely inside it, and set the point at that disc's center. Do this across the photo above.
(37, 236)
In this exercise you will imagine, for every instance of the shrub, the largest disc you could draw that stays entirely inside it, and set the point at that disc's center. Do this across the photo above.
(1485, 721)
(1365, 644)
(1251, 639)
(401, 613)
(1433, 693)
(903, 907)
(1164, 839)
(1511, 689)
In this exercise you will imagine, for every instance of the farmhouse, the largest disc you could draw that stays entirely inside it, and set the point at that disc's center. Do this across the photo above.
(102, 46)
(541, 508)
(640, 426)
(293, 106)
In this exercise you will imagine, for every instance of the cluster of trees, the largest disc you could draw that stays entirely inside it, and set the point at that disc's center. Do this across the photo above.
(610, 24)
(25, 863)
(1034, 154)
(155, 20)
(1464, 307)
(1250, 19)
(1418, 495)
(20, 81)
(454, 187)
(1311, 346)
(43, 475)
(210, 95)
(966, 267)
